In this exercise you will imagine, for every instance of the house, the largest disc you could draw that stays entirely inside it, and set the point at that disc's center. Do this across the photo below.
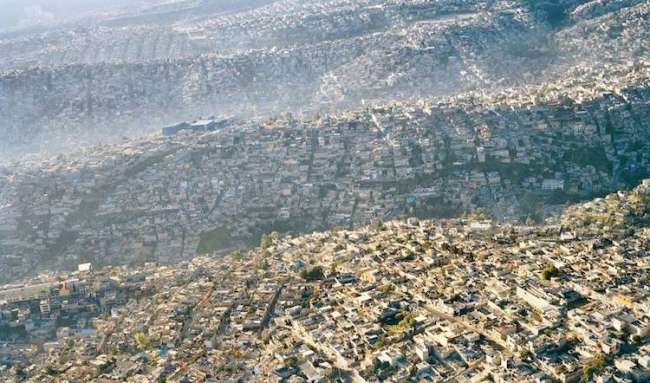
(552, 184)
(207, 125)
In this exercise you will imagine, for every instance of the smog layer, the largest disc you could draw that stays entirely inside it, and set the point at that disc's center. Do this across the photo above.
(130, 71)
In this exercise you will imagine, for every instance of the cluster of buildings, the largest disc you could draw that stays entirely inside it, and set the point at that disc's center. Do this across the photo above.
(96, 45)
(407, 300)
(162, 198)
(283, 24)
(37, 313)
(212, 31)
(606, 37)
(100, 83)
(198, 126)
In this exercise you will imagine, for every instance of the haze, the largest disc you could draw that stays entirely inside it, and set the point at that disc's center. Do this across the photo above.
(19, 14)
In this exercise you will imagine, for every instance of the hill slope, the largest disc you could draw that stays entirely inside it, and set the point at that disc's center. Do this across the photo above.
(520, 154)
(395, 301)
(94, 83)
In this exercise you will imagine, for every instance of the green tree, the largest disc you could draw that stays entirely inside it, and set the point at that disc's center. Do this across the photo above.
(333, 266)
(480, 214)
(549, 271)
(237, 255)
(70, 343)
(291, 361)
(593, 366)
(20, 372)
(387, 288)
(314, 273)
(265, 241)
(525, 353)
(141, 340)
(263, 265)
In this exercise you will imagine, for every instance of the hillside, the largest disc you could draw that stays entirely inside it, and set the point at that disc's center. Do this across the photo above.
(96, 82)
(324, 191)
(397, 301)
(520, 154)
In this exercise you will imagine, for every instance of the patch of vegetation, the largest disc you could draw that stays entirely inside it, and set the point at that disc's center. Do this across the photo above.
(314, 273)
(480, 214)
(291, 362)
(555, 12)
(589, 155)
(379, 370)
(406, 321)
(267, 240)
(549, 272)
(513, 171)
(65, 240)
(333, 267)
(8, 332)
(282, 226)
(387, 288)
(525, 354)
(237, 255)
(213, 240)
(141, 340)
(436, 207)
(592, 367)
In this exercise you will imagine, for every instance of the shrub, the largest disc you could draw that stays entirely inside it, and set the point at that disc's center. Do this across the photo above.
(549, 271)
(141, 340)
(314, 273)
(592, 367)
(266, 241)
